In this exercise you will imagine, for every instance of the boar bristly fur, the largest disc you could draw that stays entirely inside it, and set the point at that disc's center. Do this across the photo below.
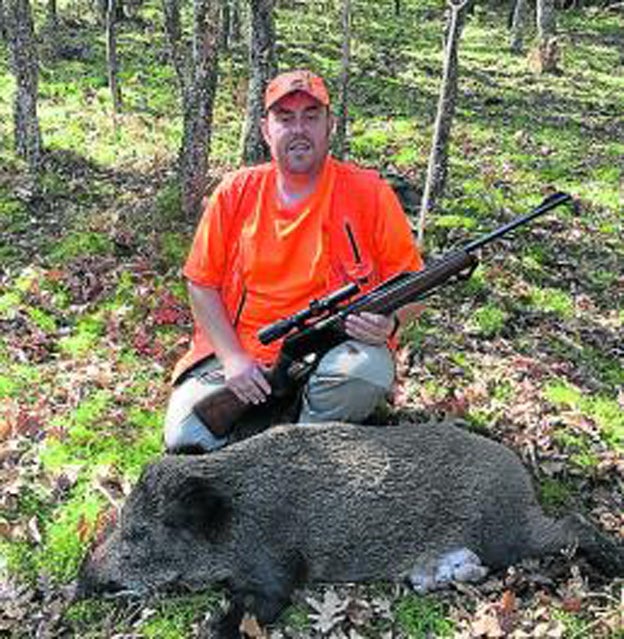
(331, 503)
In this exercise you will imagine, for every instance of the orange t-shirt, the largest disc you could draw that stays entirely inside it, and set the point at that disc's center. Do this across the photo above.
(269, 262)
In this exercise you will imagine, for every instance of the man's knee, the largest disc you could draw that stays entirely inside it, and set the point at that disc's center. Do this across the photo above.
(350, 400)
(190, 435)
(183, 429)
(349, 382)
(356, 360)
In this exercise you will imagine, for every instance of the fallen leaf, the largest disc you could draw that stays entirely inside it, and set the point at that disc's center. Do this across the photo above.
(329, 612)
(83, 529)
(251, 628)
(572, 604)
(33, 529)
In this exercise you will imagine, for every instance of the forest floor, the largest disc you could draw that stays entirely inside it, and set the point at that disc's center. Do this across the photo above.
(93, 309)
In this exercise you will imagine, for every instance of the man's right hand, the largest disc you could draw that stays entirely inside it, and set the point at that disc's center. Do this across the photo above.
(244, 377)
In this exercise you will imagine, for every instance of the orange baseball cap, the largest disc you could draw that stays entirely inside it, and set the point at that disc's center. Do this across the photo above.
(291, 81)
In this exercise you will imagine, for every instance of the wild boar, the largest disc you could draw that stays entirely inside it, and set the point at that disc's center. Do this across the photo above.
(332, 503)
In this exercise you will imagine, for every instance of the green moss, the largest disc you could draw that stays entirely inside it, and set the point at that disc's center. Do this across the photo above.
(370, 141)
(14, 218)
(604, 411)
(423, 617)
(552, 300)
(20, 380)
(63, 548)
(609, 416)
(85, 338)
(489, 320)
(85, 616)
(555, 495)
(502, 391)
(17, 558)
(578, 447)
(8, 386)
(296, 618)
(561, 392)
(81, 244)
(575, 626)
(174, 616)
(42, 320)
(169, 202)
(9, 304)
(454, 222)
(174, 248)
(477, 284)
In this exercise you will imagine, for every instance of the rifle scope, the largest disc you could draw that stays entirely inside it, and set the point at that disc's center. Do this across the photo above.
(317, 307)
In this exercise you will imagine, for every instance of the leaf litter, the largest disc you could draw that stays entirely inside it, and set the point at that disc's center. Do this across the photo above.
(496, 388)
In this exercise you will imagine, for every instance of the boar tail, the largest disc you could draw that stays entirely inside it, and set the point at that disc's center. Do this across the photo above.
(575, 532)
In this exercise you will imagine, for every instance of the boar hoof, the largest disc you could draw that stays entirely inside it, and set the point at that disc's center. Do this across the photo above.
(432, 573)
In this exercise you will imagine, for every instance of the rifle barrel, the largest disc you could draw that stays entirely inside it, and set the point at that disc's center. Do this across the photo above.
(548, 204)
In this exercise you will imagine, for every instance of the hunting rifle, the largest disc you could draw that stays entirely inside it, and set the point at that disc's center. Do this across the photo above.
(313, 331)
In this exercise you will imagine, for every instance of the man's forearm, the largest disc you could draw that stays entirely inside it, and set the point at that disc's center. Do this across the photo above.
(242, 374)
(210, 313)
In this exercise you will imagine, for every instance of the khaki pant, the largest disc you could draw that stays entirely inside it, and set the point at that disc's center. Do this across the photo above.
(348, 383)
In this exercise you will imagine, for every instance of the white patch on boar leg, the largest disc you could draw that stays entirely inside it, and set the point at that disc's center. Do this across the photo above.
(432, 573)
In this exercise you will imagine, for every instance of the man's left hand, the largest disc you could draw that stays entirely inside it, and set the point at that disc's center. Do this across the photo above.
(369, 327)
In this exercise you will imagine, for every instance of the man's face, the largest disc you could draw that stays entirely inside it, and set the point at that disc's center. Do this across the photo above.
(297, 129)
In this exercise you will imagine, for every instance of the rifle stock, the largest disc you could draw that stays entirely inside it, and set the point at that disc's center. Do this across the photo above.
(220, 410)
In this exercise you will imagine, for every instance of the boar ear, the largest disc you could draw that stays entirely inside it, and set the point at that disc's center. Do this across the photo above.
(197, 507)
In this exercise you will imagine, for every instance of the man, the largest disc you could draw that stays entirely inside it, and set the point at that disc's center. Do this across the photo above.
(274, 237)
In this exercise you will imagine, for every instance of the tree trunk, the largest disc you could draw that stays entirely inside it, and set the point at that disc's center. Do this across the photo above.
(26, 70)
(226, 24)
(52, 16)
(518, 22)
(235, 25)
(197, 75)
(340, 138)
(438, 157)
(3, 22)
(545, 17)
(545, 56)
(111, 55)
(263, 67)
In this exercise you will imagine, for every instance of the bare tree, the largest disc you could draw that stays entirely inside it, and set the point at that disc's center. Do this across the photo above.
(235, 21)
(230, 23)
(340, 138)
(263, 66)
(545, 56)
(545, 17)
(26, 69)
(111, 55)
(518, 21)
(438, 157)
(51, 16)
(196, 69)
(3, 22)
(226, 24)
